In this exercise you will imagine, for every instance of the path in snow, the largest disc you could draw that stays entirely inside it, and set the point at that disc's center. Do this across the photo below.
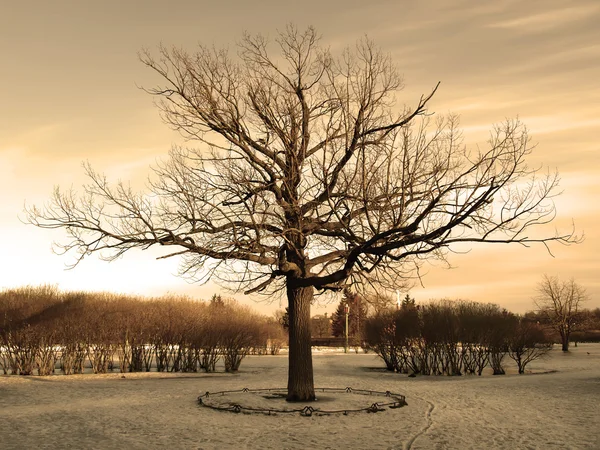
(428, 423)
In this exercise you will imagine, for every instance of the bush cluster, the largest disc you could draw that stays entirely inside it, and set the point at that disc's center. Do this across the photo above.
(42, 329)
(453, 338)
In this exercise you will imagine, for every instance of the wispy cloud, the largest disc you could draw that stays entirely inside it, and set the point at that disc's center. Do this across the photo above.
(550, 19)
(557, 123)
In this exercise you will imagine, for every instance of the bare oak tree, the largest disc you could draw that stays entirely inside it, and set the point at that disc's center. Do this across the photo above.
(309, 177)
(560, 302)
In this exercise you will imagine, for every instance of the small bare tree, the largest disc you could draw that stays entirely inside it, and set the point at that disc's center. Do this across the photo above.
(527, 343)
(560, 302)
(310, 177)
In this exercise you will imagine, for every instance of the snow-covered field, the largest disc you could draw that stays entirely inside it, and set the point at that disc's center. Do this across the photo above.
(556, 409)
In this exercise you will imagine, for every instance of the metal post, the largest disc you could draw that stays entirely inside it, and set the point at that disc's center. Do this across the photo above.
(346, 310)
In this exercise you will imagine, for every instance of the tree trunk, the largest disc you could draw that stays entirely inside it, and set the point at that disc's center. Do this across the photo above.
(300, 371)
(565, 342)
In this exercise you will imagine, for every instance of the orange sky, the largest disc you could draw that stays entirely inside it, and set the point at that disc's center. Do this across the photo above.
(69, 93)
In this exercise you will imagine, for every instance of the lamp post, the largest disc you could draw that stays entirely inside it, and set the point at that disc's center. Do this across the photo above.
(347, 311)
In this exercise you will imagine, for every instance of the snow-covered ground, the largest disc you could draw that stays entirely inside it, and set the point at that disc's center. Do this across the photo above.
(556, 409)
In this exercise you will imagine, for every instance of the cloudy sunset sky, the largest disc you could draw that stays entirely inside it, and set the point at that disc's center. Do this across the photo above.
(69, 93)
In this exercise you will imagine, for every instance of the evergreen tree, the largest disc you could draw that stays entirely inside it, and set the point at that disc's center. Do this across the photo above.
(216, 301)
(338, 322)
(408, 302)
(285, 319)
(356, 317)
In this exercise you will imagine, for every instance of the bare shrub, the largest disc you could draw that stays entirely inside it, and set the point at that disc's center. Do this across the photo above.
(445, 338)
(99, 332)
(27, 332)
(240, 333)
(40, 327)
(380, 331)
(189, 347)
(165, 333)
(272, 336)
(127, 323)
(211, 336)
(527, 343)
(71, 335)
(474, 327)
(501, 325)
(4, 361)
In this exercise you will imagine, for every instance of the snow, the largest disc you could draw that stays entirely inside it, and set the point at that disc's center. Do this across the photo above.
(555, 406)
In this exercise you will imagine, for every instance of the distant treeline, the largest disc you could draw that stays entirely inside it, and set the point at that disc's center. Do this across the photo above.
(586, 322)
(43, 330)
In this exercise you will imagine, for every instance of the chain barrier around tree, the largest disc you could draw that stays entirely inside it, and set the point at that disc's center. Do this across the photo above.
(219, 401)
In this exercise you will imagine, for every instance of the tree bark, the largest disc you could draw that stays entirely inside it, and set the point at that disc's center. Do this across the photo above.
(300, 371)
